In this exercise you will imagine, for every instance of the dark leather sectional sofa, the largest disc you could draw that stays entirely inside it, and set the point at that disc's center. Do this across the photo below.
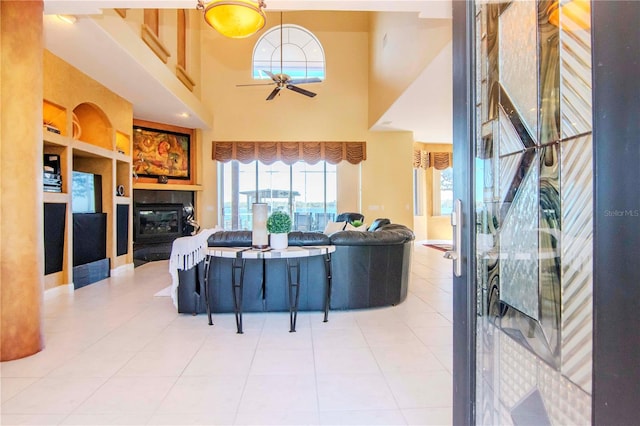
(369, 269)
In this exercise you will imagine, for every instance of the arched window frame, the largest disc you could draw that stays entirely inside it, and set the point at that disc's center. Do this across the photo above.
(268, 49)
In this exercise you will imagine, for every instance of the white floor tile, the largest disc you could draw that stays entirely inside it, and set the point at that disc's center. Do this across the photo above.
(211, 394)
(31, 419)
(222, 360)
(406, 358)
(11, 386)
(287, 416)
(279, 338)
(421, 390)
(92, 363)
(121, 419)
(278, 393)
(351, 337)
(128, 395)
(354, 392)
(363, 417)
(52, 396)
(428, 416)
(157, 364)
(435, 336)
(282, 361)
(115, 354)
(336, 359)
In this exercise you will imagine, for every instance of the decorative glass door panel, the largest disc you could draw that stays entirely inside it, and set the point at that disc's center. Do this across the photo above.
(533, 212)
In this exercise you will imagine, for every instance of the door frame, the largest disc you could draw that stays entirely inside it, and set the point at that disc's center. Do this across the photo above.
(464, 293)
(616, 160)
(616, 293)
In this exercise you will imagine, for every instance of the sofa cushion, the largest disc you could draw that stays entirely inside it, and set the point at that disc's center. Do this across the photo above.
(299, 238)
(378, 238)
(230, 239)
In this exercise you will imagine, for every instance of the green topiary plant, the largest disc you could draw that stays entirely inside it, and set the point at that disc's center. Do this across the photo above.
(279, 223)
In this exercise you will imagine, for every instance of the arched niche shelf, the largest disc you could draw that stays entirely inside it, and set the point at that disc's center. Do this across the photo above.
(90, 124)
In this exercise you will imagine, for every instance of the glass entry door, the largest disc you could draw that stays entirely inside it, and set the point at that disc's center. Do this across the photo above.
(531, 213)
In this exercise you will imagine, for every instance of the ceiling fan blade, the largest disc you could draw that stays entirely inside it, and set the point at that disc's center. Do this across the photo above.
(273, 93)
(272, 75)
(300, 90)
(305, 80)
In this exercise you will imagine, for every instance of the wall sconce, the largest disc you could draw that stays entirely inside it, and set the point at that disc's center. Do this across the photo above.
(234, 18)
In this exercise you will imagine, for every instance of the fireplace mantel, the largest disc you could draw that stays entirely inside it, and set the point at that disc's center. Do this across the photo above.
(167, 187)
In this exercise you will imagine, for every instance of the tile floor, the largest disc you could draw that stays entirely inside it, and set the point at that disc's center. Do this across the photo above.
(118, 355)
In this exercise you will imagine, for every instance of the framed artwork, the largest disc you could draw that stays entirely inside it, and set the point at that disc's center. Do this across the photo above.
(161, 153)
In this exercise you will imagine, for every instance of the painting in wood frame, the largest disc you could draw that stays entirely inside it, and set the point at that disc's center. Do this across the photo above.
(163, 153)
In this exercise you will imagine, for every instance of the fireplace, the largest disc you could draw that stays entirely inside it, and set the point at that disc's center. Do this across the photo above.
(157, 223)
(159, 217)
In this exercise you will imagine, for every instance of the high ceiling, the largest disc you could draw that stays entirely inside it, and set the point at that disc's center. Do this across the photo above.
(424, 108)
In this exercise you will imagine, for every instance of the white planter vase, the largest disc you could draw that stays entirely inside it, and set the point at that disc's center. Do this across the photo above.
(279, 241)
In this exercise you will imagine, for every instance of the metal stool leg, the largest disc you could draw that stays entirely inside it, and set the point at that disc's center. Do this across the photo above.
(293, 299)
(207, 265)
(237, 289)
(327, 299)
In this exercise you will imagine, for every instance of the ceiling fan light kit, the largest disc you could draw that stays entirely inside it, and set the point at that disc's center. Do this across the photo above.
(234, 18)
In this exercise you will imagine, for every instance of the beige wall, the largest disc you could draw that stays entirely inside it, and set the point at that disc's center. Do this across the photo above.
(400, 46)
(338, 113)
(168, 19)
(387, 178)
(361, 78)
(67, 86)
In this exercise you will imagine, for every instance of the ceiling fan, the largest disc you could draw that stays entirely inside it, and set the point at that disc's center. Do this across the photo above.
(284, 81)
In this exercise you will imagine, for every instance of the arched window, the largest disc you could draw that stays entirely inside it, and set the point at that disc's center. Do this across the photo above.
(302, 53)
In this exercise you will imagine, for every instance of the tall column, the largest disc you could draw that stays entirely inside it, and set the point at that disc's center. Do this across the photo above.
(21, 209)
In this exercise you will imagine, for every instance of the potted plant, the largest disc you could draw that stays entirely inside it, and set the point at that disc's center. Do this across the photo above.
(279, 225)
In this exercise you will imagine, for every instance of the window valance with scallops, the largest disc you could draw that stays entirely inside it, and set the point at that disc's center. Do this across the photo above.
(290, 152)
(439, 160)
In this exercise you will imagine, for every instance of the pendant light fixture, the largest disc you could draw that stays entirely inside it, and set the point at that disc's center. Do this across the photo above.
(234, 18)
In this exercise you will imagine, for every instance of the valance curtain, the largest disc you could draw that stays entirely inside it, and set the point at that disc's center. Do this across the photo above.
(290, 152)
(438, 160)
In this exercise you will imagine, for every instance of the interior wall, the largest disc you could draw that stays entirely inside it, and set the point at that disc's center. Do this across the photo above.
(387, 179)
(337, 113)
(168, 37)
(401, 46)
(60, 77)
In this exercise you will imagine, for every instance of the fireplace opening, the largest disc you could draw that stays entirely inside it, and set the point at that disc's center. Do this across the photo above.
(157, 223)
(159, 217)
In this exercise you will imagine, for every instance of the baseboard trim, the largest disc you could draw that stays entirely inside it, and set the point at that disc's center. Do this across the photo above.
(122, 269)
(436, 242)
(58, 290)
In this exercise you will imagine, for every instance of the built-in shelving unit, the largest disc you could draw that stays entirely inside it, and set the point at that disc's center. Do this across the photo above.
(89, 128)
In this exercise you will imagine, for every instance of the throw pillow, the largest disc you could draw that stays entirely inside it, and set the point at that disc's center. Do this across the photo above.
(333, 227)
(350, 227)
